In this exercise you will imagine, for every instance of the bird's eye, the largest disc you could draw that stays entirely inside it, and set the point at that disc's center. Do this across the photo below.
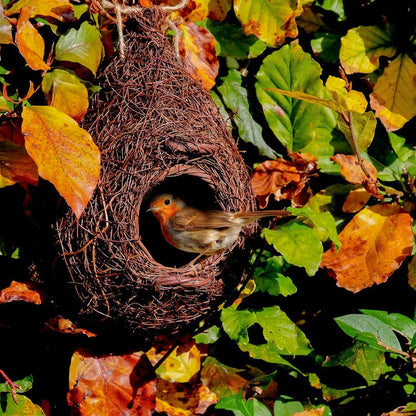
(167, 201)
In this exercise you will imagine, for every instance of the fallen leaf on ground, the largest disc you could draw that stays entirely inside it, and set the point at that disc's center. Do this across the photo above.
(374, 244)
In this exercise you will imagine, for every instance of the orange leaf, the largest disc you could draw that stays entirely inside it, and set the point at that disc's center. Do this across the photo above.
(374, 244)
(21, 291)
(353, 173)
(284, 179)
(312, 412)
(16, 165)
(197, 10)
(65, 326)
(30, 43)
(197, 45)
(183, 399)
(356, 200)
(52, 8)
(65, 154)
(111, 385)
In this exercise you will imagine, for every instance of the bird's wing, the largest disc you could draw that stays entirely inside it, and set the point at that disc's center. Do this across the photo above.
(192, 219)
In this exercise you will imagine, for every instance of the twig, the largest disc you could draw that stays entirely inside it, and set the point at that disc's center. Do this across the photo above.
(13, 386)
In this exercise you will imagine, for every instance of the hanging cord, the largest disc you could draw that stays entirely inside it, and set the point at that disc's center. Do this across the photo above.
(122, 10)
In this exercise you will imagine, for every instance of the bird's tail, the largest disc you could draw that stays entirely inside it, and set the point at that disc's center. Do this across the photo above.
(248, 217)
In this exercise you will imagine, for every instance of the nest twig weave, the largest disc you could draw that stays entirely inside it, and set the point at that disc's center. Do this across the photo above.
(152, 122)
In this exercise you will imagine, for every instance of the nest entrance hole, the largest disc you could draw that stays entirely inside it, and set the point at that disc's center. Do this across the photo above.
(195, 192)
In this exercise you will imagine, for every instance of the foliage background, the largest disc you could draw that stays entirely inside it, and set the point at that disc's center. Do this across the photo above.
(322, 98)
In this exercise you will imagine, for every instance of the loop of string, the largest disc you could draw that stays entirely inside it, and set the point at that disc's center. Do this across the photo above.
(121, 9)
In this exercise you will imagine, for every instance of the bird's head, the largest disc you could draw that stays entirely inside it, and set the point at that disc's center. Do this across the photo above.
(165, 206)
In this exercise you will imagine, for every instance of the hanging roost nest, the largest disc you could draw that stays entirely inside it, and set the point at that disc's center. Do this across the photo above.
(157, 130)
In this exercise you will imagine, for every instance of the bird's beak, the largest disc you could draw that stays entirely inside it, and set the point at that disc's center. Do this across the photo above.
(152, 209)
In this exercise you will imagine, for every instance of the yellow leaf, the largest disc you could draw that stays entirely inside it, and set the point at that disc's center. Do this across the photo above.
(180, 367)
(362, 47)
(52, 8)
(271, 21)
(348, 100)
(30, 43)
(201, 9)
(64, 153)
(66, 92)
(5, 28)
(374, 244)
(394, 95)
(198, 46)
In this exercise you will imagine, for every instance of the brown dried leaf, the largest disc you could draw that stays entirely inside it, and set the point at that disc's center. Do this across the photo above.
(21, 291)
(65, 326)
(197, 46)
(354, 173)
(284, 179)
(374, 244)
(114, 384)
(183, 399)
(312, 412)
(356, 200)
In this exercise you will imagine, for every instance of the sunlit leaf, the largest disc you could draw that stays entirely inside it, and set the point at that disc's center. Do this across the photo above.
(181, 399)
(398, 322)
(231, 40)
(394, 95)
(52, 8)
(299, 245)
(25, 385)
(208, 336)
(201, 9)
(120, 384)
(283, 408)
(374, 244)
(281, 335)
(66, 92)
(370, 330)
(335, 6)
(64, 153)
(298, 125)
(198, 46)
(16, 165)
(235, 97)
(242, 407)
(23, 407)
(19, 291)
(362, 47)
(82, 46)
(271, 21)
(30, 43)
(361, 128)
(356, 200)
(312, 412)
(220, 378)
(5, 28)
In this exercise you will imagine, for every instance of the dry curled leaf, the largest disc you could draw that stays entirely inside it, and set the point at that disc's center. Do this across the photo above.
(21, 291)
(65, 326)
(353, 172)
(284, 179)
(374, 244)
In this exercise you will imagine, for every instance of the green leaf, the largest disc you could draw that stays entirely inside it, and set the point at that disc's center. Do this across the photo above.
(24, 406)
(330, 198)
(405, 153)
(231, 40)
(363, 127)
(285, 408)
(270, 21)
(298, 125)
(362, 47)
(235, 98)
(241, 407)
(282, 336)
(268, 279)
(299, 245)
(326, 45)
(324, 223)
(401, 323)
(25, 385)
(209, 336)
(82, 46)
(335, 6)
(370, 330)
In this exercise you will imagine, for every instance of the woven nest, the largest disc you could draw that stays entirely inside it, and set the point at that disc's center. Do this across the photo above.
(157, 130)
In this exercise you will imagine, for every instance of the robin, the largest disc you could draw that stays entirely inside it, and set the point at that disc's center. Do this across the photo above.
(201, 231)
